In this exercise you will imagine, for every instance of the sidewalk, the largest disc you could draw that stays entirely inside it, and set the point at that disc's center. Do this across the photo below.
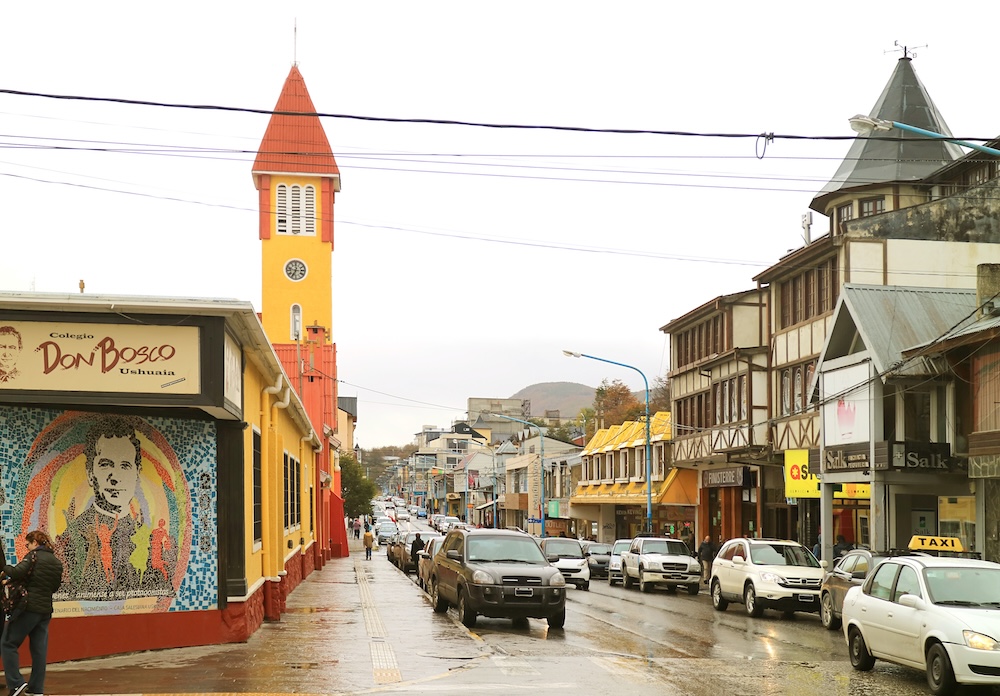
(351, 627)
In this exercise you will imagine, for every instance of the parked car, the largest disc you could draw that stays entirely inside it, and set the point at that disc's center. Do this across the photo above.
(426, 558)
(385, 531)
(597, 555)
(567, 555)
(652, 561)
(402, 515)
(941, 615)
(848, 571)
(436, 520)
(447, 522)
(496, 573)
(421, 514)
(615, 560)
(404, 559)
(766, 574)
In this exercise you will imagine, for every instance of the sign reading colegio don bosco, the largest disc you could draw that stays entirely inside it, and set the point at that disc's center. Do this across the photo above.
(132, 358)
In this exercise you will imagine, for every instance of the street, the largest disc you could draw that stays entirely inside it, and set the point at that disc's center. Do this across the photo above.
(362, 627)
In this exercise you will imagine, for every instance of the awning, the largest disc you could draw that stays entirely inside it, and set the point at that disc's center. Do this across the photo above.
(680, 488)
(486, 505)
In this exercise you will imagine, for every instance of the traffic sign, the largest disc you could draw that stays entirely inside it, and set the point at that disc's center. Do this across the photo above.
(534, 520)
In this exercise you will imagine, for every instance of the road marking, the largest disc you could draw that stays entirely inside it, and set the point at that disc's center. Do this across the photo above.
(513, 666)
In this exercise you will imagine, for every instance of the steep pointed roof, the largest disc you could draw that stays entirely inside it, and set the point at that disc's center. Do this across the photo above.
(895, 155)
(295, 144)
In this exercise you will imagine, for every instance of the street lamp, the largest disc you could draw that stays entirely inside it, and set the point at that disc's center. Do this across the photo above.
(541, 457)
(865, 125)
(649, 465)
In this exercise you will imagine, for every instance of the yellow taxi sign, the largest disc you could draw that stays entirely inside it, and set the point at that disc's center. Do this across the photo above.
(933, 543)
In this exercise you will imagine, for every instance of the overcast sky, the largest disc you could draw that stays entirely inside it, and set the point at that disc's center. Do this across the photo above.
(466, 258)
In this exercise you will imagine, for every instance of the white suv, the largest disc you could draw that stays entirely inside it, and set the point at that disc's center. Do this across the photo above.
(766, 574)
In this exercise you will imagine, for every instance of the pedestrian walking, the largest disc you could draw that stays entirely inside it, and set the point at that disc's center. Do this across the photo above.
(706, 554)
(369, 540)
(415, 548)
(357, 527)
(41, 572)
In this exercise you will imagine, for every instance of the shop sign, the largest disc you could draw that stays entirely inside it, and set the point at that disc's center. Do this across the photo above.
(724, 478)
(801, 481)
(121, 358)
(922, 456)
(847, 458)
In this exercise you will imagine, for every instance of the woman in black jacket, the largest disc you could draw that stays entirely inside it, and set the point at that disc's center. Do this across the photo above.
(43, 572)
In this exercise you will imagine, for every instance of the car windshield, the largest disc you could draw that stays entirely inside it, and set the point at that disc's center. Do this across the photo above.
(782, 555)
(564, 548)
(665, 546)
(620, 547)
(451, 520)
(599, 549)
(961, 586)
(387, 527)
(512, 549)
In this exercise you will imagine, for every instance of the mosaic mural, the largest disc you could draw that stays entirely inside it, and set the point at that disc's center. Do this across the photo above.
(130, 503)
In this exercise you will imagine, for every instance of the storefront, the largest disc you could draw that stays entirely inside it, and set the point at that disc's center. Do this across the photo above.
(728, 503)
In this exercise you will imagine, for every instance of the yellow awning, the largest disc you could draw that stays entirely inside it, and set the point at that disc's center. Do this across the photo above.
(680, 488)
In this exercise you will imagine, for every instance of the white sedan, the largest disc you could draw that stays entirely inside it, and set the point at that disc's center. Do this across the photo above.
(941, 615)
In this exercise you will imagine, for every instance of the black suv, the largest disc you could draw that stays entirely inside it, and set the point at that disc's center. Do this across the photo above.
(496, 573)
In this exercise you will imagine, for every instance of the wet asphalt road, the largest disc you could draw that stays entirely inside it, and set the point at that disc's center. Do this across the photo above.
(362, 627)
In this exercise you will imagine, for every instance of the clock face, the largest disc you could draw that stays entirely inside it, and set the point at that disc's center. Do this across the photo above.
(295, 270)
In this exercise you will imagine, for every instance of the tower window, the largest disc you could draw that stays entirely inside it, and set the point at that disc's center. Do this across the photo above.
(295, 209)
(296, 322)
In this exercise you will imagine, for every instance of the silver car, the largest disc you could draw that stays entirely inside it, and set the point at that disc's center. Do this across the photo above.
(615, 560)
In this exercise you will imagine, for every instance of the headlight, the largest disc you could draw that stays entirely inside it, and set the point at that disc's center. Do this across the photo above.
(481, 577)
(653, 565)
(694, 568)
(582, 563)
(979, 641)
(772, 577)
(557, 580)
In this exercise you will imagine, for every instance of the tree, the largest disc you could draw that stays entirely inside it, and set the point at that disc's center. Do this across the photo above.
(659, 395)
(357, 490)
(615, 403)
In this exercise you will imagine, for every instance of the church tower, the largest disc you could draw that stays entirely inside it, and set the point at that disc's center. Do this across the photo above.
(296, 176)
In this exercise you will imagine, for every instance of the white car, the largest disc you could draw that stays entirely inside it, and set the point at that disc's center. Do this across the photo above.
(567, 555)
(766, 574)
(941, 615)
(615, 561)
(447, 523)
(402, 514)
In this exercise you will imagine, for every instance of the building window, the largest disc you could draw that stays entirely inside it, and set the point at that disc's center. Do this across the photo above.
(786, 392)
(295, 209)
(734, 402)
(296, 322)
(743, 397)
(258, 519)
(845, 212)
(872, 206)
(286, 488)
(979, 175)
(798, 390)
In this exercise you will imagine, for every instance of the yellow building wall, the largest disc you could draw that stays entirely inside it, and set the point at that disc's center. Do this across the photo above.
(313, 293)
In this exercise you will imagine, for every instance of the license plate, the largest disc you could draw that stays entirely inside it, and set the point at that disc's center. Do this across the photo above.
(524, 591)
(805, 598)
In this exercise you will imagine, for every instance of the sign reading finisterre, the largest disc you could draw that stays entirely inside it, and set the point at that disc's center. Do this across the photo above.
(132, 358)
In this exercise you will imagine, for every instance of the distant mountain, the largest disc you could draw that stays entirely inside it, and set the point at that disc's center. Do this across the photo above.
(566, 397)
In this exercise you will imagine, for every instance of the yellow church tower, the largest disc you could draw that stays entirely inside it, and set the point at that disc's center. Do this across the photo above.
(296, 176)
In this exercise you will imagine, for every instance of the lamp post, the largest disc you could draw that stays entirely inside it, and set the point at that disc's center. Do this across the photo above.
(865, 125)
(541, 457)
(649, 449)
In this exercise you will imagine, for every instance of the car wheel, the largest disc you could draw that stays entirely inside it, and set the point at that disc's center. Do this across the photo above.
(753, 607)
(643, 585)
(611, 581)
(826, 617)
(439, 603)
(627, 580)
(694, 589)
(720, 603)
(466, 615)
(940, 675)
(558, 620)
(585, 586)
(861, 659)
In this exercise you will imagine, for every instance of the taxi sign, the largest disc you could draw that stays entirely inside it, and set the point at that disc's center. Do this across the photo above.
(932, 543)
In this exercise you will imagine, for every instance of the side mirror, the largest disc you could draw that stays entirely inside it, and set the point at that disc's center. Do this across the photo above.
(454, 555)
(912, 601)
(823, 564)
(739, 560)
(859, 575)
(553, 558)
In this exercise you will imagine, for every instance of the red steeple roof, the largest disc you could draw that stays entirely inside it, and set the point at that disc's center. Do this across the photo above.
(295, 144)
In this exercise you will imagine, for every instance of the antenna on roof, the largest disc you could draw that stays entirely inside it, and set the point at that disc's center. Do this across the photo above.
(807, 221)
(295, 42)
(907, 51)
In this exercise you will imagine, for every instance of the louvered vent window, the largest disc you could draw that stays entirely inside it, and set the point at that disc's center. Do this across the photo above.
(310, 211)
(281, 199)
(296, 209)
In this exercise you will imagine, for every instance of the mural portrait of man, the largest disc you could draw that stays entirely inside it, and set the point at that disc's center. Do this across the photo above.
(100, 543)
(10, 351)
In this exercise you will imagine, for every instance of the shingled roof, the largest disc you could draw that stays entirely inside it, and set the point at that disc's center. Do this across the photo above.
(295, 144)
(894, 155)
